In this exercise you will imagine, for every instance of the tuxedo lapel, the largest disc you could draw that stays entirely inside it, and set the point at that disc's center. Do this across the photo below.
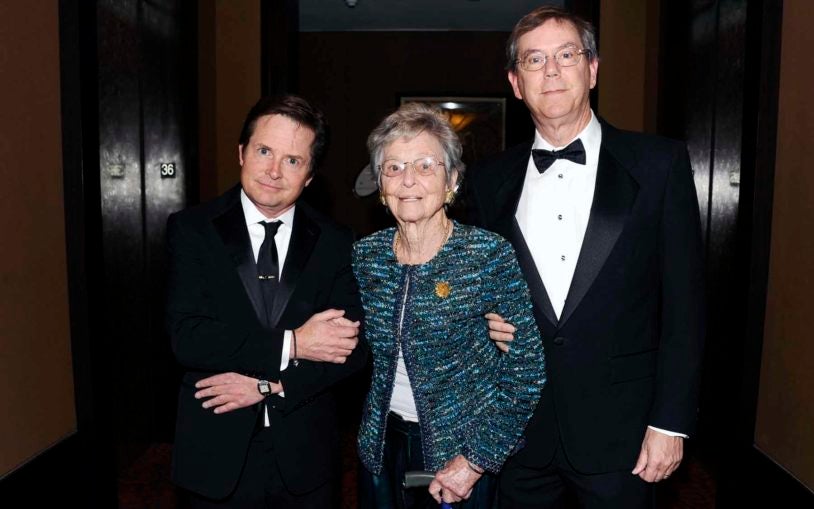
(614, 194)
(507, 196)
(231, 227)
(539, 295)
(304, 235)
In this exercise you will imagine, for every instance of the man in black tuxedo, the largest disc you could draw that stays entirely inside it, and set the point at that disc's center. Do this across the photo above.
(606, 228)
(263, 311)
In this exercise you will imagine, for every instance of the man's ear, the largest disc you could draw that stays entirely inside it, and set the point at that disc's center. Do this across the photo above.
(513, 80)
(240, 154)
(594, 68)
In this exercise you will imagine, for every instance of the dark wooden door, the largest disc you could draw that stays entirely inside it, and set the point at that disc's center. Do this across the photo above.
(147, 86)
(719, 83)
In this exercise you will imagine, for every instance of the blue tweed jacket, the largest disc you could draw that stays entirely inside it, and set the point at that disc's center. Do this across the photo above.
(471, 399)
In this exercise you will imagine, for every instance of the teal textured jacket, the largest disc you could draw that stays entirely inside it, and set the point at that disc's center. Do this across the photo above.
(471, 399)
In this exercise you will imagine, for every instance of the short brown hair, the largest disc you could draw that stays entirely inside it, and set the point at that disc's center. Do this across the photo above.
(537, 18)
(297, 109)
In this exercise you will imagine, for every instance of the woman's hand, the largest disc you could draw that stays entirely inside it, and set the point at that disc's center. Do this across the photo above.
(230, 391)
(455, 481)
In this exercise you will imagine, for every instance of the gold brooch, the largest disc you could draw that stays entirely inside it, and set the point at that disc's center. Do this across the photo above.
(442, 289)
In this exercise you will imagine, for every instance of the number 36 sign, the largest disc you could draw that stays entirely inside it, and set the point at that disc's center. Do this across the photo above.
(168, 170)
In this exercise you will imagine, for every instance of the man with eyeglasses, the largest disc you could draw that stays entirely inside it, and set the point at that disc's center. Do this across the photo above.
(606, 228)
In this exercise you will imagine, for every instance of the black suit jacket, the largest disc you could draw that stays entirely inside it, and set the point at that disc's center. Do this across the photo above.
(216, 321)
(625, 352)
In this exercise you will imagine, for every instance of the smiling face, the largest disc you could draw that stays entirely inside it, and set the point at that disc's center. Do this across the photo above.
(554, 95)
(414, 198)
(275, 163)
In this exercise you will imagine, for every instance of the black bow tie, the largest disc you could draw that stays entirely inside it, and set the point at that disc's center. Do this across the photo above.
(544, 158)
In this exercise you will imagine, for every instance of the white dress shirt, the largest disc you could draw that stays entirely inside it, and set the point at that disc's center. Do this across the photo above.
(257, 233)
(553, 214)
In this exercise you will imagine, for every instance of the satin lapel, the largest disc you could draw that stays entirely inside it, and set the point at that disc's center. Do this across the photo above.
(507, 196)
(539, 295)
(614, 195)
(304, 237)
(231, 227)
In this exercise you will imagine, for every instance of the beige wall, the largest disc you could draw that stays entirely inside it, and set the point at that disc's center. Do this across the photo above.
(628, 68)
(229, 71)
(36, 379)
(785, 419)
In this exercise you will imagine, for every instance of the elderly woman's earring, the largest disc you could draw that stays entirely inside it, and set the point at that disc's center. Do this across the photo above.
(450, 196)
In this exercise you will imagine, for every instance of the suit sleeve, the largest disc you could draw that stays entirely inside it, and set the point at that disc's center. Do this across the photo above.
(200, 340)
(304, 382)
(521, 371)
(683, 303)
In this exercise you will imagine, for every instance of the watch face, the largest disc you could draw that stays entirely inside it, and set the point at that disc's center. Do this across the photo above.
(263, 387)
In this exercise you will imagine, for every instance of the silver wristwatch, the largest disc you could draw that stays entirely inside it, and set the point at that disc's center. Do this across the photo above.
(264, 387)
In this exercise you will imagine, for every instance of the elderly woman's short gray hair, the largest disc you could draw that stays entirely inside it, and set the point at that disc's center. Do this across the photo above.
(410, 120)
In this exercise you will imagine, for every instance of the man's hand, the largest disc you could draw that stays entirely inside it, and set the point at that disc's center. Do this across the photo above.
(661, 454)
(454, 482)
(500, 331)
(230, 391)
(327, 337)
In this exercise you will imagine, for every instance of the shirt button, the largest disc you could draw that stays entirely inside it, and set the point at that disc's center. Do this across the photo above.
(559, 216)
(559, 176)
(562, 257)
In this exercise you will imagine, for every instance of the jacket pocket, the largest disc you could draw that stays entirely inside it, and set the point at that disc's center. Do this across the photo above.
(633, 366)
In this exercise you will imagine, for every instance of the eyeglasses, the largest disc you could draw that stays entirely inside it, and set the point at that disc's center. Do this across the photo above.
(424, 166)
(565, 57)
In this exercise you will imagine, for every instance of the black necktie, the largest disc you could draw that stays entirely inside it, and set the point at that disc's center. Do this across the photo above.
(544, 158)
(268, 267)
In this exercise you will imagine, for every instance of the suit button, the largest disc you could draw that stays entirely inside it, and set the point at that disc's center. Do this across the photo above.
(559, 341)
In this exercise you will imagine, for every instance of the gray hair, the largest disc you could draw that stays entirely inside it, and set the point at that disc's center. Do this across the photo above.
(410, 120)
(537, 18)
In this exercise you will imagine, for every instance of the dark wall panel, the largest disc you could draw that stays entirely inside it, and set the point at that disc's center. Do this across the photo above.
(147, 101)
(168, 98)
(719, 85)
(357, 79)
(122, 206)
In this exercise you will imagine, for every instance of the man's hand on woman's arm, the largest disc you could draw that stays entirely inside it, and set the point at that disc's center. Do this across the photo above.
(500, 331)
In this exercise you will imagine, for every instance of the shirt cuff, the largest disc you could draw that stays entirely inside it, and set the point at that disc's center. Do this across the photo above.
(286, 350)
(284, 356)
(669, 433)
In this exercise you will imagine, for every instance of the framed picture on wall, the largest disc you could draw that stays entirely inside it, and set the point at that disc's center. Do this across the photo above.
(479, 121)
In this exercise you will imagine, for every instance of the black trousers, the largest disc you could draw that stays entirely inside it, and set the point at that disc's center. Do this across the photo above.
(402, 453)
(261, 486)
(559, 486)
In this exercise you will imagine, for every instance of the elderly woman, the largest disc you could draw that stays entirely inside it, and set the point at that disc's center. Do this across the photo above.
(442, 398)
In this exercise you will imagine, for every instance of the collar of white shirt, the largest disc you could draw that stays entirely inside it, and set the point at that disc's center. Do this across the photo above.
(254, 216)
(591, 137)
